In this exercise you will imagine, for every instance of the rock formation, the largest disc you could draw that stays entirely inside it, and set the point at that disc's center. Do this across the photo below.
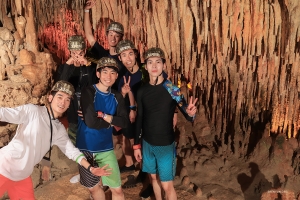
(25, 72)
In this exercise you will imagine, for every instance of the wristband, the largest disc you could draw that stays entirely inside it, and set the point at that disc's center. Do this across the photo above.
(89, 168)
(132, 107)
(100, 114)
(87, 11)
(137, 146)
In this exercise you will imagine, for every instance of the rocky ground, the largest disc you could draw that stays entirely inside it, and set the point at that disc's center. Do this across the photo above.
(205, 171)
(63, 189)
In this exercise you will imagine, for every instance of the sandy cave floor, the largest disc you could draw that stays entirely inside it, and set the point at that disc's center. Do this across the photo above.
(63, 189)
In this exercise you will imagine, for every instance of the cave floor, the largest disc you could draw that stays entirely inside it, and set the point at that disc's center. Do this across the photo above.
(63, 189)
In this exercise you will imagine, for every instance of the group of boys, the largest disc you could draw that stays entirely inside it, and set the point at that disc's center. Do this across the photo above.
(115, 94)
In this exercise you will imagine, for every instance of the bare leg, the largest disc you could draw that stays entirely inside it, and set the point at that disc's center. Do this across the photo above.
(127, 150)
(169, 190)
(156, 186)
(97, 192)
(117, 193)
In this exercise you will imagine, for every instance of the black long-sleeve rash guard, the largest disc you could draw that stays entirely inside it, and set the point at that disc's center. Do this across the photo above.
(89, 113)
(155, 114)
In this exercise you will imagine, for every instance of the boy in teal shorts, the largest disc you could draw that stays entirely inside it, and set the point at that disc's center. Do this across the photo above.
(157, 101)
(102, 108)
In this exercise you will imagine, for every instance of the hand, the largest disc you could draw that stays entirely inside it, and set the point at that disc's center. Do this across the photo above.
(132, 115)
(78, 58)
(191, 109)
(89, 4)
(70, 61)
(81, 61)
(138, 155)
(126, 88)
(97, 171)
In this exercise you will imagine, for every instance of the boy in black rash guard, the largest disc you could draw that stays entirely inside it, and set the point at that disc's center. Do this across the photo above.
(133, 79)
(102, 108)
(114, 34)
(80, 73)
(156, 102)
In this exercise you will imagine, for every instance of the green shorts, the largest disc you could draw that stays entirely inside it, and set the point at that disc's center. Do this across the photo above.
(109, 157)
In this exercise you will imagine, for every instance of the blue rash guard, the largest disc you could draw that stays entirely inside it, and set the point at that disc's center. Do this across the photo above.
(95, 134)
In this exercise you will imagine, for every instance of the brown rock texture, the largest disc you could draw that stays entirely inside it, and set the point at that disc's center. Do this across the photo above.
(25, 72)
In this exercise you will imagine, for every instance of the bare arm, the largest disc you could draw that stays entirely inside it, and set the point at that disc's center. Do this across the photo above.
(131, 98)
(132, 113)
(87, 23)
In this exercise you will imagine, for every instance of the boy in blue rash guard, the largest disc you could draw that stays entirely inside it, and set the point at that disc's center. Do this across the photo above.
(156, 102)
(102, 108)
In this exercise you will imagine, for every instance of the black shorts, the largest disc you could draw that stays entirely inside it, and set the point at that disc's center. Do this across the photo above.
(87, 179)
(129, 132)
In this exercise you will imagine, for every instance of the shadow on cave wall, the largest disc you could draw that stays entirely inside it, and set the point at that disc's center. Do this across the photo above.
(256, 184)
(257, 130)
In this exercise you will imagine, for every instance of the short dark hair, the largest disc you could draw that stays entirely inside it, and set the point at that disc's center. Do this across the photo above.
(53, 93)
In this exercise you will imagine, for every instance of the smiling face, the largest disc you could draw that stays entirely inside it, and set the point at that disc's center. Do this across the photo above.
(128, 58)
(113, 38)
(155, 66)
(107, 76)
(60, 102)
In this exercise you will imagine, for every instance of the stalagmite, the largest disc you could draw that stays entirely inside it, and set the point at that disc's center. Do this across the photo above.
(20, 23)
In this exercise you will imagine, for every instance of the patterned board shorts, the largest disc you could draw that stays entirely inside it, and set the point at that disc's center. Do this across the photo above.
(159, 160)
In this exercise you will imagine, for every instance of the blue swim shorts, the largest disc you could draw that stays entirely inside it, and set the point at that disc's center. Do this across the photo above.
(159, 160)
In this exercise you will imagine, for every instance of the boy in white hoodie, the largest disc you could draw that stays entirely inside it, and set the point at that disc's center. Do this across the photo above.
(38, 130)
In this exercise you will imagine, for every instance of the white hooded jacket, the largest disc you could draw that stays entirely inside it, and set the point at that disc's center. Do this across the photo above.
(32, 141)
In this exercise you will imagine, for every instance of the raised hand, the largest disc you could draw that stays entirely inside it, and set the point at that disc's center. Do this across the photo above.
(77, 58)
(126, 88)
(101, 171)
(191, 108)
(89, 4)
(81, 61)
(70, 61)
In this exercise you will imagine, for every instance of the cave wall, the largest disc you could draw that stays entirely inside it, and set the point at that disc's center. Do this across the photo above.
(241, 57)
